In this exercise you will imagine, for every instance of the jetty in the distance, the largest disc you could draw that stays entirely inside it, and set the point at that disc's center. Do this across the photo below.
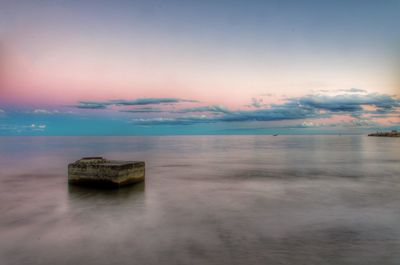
(393, 133)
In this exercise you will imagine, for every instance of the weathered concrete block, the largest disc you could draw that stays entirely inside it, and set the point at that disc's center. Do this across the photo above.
(97, 171)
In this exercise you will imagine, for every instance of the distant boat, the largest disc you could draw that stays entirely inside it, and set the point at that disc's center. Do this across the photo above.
(275, 134)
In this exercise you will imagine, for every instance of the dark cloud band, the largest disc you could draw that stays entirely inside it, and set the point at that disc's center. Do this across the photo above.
(135, 102)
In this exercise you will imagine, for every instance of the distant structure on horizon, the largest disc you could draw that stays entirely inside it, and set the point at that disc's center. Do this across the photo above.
(393, 133)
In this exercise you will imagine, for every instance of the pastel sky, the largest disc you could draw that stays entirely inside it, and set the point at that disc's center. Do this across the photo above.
(123, 67)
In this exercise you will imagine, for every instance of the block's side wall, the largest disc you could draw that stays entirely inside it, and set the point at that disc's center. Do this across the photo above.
(132, 175)
(93, 172)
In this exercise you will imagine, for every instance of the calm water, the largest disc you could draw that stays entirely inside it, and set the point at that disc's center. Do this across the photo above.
(207, 200)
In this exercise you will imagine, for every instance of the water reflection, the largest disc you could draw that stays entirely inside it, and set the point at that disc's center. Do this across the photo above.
(125, 195)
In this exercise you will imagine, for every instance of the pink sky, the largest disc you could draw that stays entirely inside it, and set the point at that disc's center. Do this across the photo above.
(54, 55)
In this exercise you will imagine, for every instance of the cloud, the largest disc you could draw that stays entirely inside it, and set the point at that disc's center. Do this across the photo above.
(307, 107)
(16, 128)
(313, 106)
(349, 90)
(187, 120)
(257, 103)
(358, 123)
(267, 94)
(354, 90)
(148, 101)
(38, 127)
(44, 111)
(322, 91)
(212, 109)
(143, 110)
(2, 111)
(286, 111)
(135, 102)
(348, 102)
(351, 124)
(90, 105)
(308, 124)
(289, 111)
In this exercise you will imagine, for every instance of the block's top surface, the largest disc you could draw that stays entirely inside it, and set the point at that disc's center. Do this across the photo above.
(92, 160)
(119, 162)
(102, 162)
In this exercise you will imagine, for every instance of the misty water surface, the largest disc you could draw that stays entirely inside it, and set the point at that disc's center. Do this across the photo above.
(206, 200)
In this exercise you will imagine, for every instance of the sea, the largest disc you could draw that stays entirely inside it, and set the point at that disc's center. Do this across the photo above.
(205, 200)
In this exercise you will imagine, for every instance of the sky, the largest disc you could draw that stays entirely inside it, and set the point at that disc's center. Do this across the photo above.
(198, 67)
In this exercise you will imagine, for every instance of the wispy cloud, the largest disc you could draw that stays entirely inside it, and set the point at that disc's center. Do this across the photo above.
(186, 120)
(352, 123)
(348, 102)
(257, 103)
(148, 101)
(287, 111)
(143, 110)
(306, 107)
(353, 103)
(317, 112)
(353, 90)
(38, 126)
(44, 111)
(210, 109)
(349, 90)
(90, 105)
(134, 102)
(17, 129)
